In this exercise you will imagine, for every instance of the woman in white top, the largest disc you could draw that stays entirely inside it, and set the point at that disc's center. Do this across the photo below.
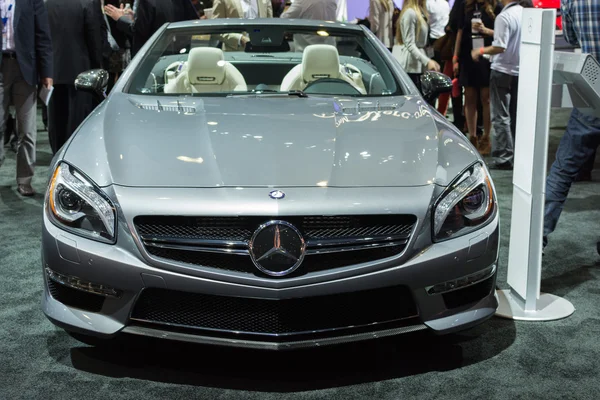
(412, 36)
(439, 14)
(381, 13)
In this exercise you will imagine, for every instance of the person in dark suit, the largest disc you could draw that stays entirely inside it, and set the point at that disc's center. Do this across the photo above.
(149, 16)
(119, 36)
(26, 60)
(117, 47)
(77, 38)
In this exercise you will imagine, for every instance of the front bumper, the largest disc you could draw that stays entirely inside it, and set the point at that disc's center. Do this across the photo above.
(118, 267)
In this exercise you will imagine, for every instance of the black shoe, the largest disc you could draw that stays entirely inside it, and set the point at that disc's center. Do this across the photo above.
(13, 146)
(505, 166)
(26, 190)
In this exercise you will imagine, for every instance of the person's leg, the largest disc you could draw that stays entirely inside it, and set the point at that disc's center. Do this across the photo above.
(514, 98)
(471, 98)
(25, 101)
(479, 129)
(5, 100)
(457, 111)
(11, 129)
(45, 116)
(444, 98)
(484, 142)
(58, 112)
(502, 142)
(8, 130)
(586, 170)
(580, 140)
(80, 106)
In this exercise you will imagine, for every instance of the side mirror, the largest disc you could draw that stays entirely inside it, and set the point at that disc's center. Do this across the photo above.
(94, 81)
(433, 84)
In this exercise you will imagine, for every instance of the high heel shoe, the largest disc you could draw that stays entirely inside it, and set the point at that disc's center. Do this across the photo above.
(474, 141)
(485, 146)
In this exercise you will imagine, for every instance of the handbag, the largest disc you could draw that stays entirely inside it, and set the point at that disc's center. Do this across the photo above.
(445, 46)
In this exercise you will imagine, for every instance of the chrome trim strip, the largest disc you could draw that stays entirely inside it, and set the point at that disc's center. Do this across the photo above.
(223, 250)
(313, 251)
(356, 241)
(252, 344)
(195, 242)
(274, 335)
(82, 285)
(241, 248)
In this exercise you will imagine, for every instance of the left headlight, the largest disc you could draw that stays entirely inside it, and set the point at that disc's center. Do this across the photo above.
(467, 204)
(75, 204)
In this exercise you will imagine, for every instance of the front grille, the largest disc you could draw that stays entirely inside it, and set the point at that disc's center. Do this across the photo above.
(242, 228)
(75, 298)
(312, 263)
(389, 235)
(274, 317)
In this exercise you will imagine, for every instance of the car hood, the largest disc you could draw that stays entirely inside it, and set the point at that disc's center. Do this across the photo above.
(264, 141)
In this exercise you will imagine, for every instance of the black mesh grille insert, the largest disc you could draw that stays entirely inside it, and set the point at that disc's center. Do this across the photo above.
(468, 295)
(242, 228)
(75, 298)
(380, 228)
(311, 263)
(195, 228)
(287, 316)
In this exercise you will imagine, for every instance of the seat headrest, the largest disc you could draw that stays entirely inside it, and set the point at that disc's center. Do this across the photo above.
(320, 61)
(206, 66)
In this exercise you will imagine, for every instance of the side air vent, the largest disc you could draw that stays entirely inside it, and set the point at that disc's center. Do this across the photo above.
(361, 107)
(178, 108)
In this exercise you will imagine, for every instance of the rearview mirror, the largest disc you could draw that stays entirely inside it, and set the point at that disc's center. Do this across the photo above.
(433, 84)
(94, 81)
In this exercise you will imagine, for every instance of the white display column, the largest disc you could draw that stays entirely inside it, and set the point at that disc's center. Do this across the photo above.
(524, 301)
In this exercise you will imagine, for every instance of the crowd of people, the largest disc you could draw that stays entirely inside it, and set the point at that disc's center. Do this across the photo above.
(47, 43)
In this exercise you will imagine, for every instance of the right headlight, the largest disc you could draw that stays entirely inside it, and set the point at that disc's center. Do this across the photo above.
(77, 205)
(467, 204)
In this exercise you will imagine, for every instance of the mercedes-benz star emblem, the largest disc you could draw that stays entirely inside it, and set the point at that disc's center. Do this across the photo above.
(277, 248)
(277, 194)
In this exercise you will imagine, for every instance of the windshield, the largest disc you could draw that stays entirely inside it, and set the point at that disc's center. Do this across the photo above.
(217, 61)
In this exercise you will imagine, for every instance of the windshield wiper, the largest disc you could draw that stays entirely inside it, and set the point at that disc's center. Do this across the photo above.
(270, 92)
(298, 93)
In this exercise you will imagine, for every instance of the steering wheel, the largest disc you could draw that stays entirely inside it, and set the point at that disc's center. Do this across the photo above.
(331, 86)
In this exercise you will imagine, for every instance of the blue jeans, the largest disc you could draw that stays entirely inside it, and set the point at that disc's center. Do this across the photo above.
(579, 143)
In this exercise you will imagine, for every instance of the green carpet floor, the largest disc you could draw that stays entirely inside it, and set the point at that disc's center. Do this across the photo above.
(500, 359)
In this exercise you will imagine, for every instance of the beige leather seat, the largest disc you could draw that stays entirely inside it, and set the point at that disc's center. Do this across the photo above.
(321, 61)
(207, 71)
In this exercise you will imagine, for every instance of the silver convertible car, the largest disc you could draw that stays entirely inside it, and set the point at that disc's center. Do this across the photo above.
(267, 184)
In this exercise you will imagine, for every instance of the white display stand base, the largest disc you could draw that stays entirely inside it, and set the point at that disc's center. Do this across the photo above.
(548, 307)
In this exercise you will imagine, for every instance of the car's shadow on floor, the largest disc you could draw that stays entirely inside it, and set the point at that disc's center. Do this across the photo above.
(288, 371)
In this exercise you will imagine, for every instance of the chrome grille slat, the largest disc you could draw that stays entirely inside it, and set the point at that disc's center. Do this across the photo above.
(191, 240)
(341, 249)
(220, 250)
(194, 242)
(353, 242)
